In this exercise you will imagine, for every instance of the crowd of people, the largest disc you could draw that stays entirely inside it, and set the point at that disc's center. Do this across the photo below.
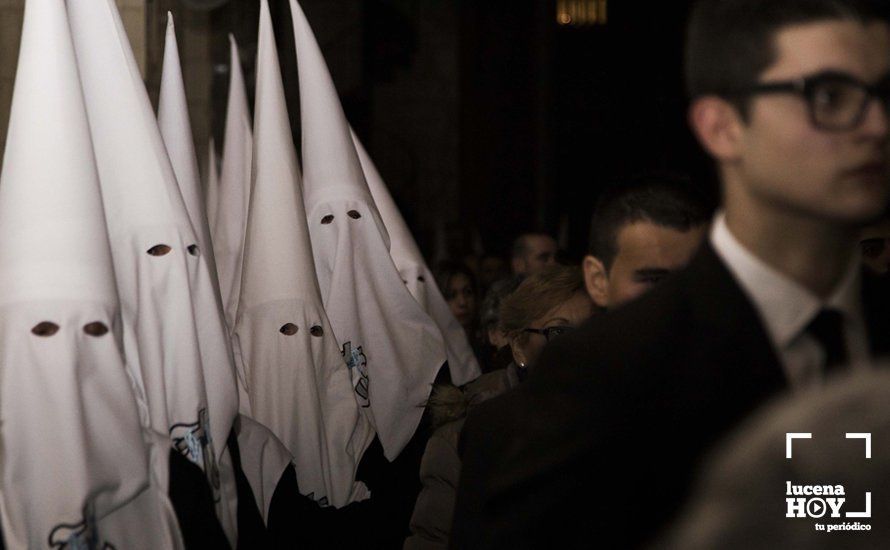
(781, 292)
(272, 364)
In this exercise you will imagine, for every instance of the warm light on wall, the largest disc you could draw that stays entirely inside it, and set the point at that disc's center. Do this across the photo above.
(580, 13)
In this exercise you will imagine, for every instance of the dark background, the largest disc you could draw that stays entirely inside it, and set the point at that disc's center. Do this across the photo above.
(487, 118)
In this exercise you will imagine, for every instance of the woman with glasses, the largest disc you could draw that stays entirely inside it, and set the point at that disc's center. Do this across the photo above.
(542, 308)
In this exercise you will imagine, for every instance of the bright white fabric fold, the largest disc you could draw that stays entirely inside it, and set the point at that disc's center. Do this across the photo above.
(417, 275)
(234, 189)
(74, 464)
(393, 349)
(173, 333)
(298, 382)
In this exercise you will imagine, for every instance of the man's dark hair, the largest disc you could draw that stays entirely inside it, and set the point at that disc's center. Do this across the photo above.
(660, 198)
(729, 43)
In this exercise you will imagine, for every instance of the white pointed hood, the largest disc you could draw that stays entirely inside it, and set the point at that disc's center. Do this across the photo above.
(211, 185)
(73, 449)
(176, 130)
(174, 336)
(417, 276)
(299, 383)
(393, 348)
(234, 189)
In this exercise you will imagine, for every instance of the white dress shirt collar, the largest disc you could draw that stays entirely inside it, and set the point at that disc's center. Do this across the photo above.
(785, 306)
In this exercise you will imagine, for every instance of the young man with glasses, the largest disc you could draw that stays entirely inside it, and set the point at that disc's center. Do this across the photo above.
(790, 98)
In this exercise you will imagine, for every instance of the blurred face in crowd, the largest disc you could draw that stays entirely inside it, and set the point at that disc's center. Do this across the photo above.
(540, 253)
(528, 345)
(812, 156)
(462, 299)
(875, 246)
(646, 254)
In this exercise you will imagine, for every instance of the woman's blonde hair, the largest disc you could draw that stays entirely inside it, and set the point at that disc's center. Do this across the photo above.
(537, 295)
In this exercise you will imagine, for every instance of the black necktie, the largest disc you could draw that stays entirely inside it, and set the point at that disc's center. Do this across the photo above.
(827, 329)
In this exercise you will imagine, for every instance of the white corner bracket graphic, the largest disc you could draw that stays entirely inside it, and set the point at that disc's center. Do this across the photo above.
(789, 437)
(867, 438)
(866, 513)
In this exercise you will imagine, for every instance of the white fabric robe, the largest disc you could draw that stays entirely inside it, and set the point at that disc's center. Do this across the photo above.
(393, 349)
(299, 384)
(417, 275)
(74, 459)
(171, 322)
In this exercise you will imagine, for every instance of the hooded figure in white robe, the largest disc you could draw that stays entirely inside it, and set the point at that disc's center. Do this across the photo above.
(173, 120)
(393, 349)
(234, 189)
(299, 383)
(172, 326)
(417, 276)
(75, 461)
(263, 457)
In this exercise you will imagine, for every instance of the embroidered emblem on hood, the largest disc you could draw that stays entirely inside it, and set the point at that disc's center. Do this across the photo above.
(358, 368)
(78, 536)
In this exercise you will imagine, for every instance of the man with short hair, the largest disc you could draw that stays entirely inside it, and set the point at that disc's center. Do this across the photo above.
(642, 230)
(600, 445)
(532, 253)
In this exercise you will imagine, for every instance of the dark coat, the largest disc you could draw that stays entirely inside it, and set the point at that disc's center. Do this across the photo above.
(599, 447)
(440, 467)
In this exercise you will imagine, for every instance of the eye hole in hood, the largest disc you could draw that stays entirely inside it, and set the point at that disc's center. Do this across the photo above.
(288, 329)
(159, 250)
(96, 328)
(45, 328)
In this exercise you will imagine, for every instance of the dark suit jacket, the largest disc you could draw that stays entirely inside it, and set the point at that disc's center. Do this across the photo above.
(599, 447)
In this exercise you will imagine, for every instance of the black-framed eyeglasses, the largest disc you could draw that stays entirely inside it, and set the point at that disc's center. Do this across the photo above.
(837, 101)
(550, 332)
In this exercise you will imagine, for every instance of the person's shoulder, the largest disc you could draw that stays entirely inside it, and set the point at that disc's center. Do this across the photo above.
(447, 435)
(441, 458)
(876, 307)
(631, 333)
(487, 386)
(651, 313)
(489, 421)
